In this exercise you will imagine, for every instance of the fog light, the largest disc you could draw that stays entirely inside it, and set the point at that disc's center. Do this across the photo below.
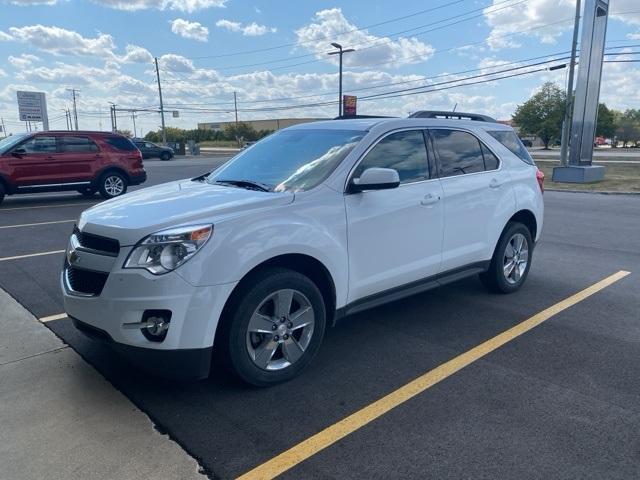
(155, 324)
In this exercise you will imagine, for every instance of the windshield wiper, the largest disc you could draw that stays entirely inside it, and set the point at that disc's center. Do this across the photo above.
(250, 184)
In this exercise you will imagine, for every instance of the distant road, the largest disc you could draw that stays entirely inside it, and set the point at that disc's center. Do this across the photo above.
(618, 155)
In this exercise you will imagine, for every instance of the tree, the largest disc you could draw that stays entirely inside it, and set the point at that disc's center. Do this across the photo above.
(606, 126)
(628, 125)
(126, 133)
(542, 114)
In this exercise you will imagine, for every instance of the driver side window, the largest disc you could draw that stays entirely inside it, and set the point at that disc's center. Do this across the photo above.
(39, 144)
(404, 151)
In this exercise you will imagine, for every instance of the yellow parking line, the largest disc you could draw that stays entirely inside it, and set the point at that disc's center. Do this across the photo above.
(51, 318)
(353, 422)
(18, 257)
(48, 206)
(36, 224)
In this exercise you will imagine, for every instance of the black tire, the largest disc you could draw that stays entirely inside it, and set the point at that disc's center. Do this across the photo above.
(232, 348)
(107, 179)
(165, 156)
(1, 192)
(87, 192)
(495, 278)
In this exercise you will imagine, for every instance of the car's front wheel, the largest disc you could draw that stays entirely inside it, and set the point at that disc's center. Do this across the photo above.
(511, 260)
(1, 192)
(273, 328)
(112, 184)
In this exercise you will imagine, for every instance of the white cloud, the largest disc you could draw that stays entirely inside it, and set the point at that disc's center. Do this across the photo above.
(59, 41)
(136, 54)
(192, 30)
(176, 63)
(62, 73)
(250, 30)
(330, 25)
(2, 73)
(634, 36)
(188, 6)
(29, 3)
(23, 61)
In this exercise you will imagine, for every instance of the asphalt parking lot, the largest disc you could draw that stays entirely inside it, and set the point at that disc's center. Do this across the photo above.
(559, 401)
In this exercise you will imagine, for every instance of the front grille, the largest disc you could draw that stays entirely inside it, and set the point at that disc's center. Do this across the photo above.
(95, 242)
(85, 281)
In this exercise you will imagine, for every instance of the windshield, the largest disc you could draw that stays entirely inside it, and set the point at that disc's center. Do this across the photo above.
(8, 143)
(290, 160)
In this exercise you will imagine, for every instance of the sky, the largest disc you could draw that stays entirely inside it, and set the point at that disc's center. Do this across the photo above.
(274, 55)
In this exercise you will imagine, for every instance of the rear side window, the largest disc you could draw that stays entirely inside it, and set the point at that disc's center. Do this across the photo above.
(491, 162)
(76, 144)
(121, 143)
(459, 152)
(405, 152)
(510, 140)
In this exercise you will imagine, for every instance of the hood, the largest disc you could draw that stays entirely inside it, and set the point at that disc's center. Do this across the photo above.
(135, 215)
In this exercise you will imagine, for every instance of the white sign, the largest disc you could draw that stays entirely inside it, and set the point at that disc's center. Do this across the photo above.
(32, 107)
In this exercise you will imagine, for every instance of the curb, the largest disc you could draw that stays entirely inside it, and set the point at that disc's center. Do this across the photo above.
(605, 192)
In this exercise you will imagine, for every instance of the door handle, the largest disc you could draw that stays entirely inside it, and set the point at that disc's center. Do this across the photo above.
(430, 199)
(495, 183)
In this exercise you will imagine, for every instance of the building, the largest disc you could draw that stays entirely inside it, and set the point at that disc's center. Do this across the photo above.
(272, 124)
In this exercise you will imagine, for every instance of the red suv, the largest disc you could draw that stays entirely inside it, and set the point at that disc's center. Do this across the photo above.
(84, 161)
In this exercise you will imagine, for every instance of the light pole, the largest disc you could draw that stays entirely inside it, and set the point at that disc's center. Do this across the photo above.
(340, 52)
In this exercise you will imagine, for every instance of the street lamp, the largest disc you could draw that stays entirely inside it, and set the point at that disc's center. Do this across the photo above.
(340, 52)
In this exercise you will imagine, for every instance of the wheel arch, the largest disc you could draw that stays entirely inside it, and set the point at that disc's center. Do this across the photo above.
(111, 168)
(528, 219)
(298, 262)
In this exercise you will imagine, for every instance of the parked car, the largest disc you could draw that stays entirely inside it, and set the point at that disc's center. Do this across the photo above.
(526, 142)
(249, 264)
(55, 161)
(151, 150)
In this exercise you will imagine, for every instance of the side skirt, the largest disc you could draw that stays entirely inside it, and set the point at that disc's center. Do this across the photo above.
(410, 289)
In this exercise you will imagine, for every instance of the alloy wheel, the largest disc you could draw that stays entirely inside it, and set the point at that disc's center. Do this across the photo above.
(114, 185)
(516, 258)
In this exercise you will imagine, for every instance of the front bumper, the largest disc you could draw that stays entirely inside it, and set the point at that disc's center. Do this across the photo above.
(182, 364)
(124, 298)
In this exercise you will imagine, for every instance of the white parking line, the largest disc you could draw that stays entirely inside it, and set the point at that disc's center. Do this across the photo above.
(36, 224)
(51, 318)
(48, 206)
(18, 257)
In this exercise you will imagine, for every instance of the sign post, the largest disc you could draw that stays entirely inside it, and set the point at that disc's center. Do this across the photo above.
(349, 104)
(32, 107)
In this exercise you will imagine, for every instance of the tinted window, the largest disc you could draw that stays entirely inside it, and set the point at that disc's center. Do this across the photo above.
(403, 151)
(121, 143)
(40, 144)
(491, 162)
(510, 140)
(459, 152)
(290, 160)
(77, 145)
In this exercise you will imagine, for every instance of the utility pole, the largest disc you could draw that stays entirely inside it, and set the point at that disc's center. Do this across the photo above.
(74, 92)
(133, 117)
(114, 118)
(235, 105)
(4, 128)
(566, 124)
(340, 52)
(164, 133)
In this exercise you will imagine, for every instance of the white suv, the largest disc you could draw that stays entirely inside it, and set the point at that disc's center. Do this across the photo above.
(249, 264)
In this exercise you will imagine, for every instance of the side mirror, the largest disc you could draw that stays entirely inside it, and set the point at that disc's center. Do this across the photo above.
(19, 152)
(375, 179)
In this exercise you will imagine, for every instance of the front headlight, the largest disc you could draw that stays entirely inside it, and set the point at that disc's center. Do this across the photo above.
(165, 251)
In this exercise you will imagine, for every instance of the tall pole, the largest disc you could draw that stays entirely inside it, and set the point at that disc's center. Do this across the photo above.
(75, 109)
(340, 52)
(4, 128)
(235, 105)
(164, 133)
(566, 124)
(133, 117)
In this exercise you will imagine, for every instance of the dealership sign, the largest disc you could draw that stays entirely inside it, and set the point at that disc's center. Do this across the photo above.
(349, 105)
(32, 107)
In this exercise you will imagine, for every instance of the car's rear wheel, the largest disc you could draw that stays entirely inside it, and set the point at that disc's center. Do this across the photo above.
(87, 192)
(165, 156)
(511, 260)
(112, 184)
(1, 192)
(273, 328)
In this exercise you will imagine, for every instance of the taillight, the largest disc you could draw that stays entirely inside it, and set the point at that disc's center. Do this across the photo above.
(540, 179)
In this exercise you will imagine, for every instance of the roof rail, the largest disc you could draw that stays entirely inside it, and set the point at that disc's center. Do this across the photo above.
(349, 117)
(459, 115)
